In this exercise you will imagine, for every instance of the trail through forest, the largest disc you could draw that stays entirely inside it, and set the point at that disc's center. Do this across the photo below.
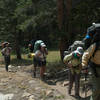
(18, 84)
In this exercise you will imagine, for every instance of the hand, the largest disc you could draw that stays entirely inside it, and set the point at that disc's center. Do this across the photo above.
(70, 65)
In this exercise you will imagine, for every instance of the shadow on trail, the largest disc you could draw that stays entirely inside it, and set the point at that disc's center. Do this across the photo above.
(22, 62)
(53, 78)
(86, 98)
(50, 82)
(81, 98)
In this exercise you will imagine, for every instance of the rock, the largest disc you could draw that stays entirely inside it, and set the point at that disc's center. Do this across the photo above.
(9, 96)
(32, 82)
(26, 94)
(10, 66)
(19, 67)
(31, 97)
(4, 80)
(6, 97)
(65, 83)
(49, 93)
(3, 84)
(10, 78)
(37, 88)
(1, 97)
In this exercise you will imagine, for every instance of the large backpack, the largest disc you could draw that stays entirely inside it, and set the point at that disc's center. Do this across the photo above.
(91, 64)
(37, 45)
(73, 47)
(92, 34)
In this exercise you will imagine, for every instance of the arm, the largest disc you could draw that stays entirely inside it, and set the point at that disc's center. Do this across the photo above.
(67, 58)
(87, 55)
(37, 53)
(10, 49)
(46, 51)
(3, 51)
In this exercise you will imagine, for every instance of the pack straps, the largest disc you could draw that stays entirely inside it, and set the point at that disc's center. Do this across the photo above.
(93, 65)
(96, 48)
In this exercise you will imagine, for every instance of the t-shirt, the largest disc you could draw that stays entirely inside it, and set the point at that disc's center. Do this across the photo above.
(72, 60)
(41, 55)
(6, 51)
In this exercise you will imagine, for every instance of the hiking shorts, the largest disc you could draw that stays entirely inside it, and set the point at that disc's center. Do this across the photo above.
(38, 62)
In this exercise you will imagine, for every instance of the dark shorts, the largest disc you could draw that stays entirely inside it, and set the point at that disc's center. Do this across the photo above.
(7, 59)
(38, 62)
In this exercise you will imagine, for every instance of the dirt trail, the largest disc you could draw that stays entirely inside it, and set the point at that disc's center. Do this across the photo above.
(20, 85)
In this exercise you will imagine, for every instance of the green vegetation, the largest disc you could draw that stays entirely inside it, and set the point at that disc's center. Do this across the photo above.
(54, 63)
(53, 21)
(53, 58)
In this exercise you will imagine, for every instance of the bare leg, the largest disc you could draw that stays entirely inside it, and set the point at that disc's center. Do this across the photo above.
(34, 71)
(42, 71)
(71, 81)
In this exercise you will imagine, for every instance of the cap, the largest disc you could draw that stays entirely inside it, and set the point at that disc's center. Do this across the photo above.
(79, 50)
(42, 45)
(6, 43)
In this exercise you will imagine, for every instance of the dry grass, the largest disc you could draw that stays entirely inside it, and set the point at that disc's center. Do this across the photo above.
(53, 58)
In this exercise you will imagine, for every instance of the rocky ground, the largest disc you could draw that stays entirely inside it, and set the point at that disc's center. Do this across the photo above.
(18, 84)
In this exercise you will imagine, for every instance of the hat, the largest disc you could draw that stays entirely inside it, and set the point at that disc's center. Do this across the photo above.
(6, 43)
(79, 50)
(42, 45)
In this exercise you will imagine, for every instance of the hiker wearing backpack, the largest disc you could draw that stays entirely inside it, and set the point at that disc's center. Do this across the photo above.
(73, 60)
(40, 59)
(6, 51)
(88, 40)
(30, 47)
(91, 58)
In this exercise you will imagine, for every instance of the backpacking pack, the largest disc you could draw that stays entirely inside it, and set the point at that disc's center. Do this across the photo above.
(93, 65)
(73, 47)
(96, 48)
(37, 45)
(91, 35)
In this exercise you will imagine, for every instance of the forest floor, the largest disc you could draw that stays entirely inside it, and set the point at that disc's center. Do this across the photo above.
(19, 84)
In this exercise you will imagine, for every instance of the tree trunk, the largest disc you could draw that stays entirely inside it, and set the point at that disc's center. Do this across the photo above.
(64, 23)
(17, 45)
(62, 46)
(60, 5)
(68, 15)
(18, 53)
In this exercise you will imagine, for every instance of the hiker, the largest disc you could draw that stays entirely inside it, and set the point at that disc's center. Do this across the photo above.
(90, 34)
(30, 47)
(73, 60)
(6, 51)
(91, 58)
(40, 60)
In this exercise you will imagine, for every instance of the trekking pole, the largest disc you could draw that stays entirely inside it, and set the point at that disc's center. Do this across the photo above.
(85, 86)
(85, 81)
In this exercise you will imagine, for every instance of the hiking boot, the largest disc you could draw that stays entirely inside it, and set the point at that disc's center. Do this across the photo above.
(69, 92)
(34, 73)
(43, 78)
